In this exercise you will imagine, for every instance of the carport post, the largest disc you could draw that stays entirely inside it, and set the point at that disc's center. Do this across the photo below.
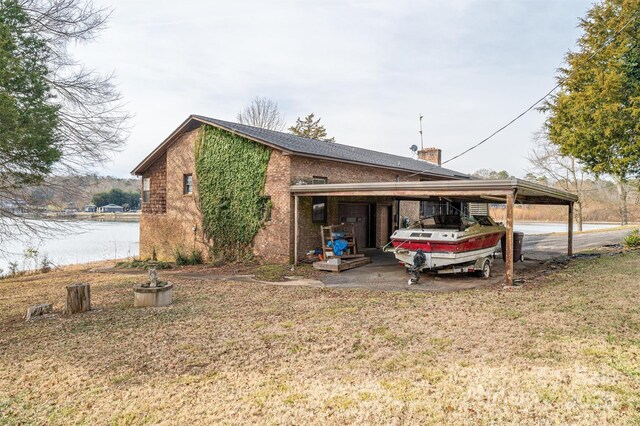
(296, 205)
(509, 240)
(570, 230)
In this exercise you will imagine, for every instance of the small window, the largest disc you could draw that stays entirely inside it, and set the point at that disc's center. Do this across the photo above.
(319, 212)
(266, 208)
(146, 189)
(319, 180)
(187, 184)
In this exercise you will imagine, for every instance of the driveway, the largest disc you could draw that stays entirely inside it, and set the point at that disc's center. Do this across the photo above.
(551, 245)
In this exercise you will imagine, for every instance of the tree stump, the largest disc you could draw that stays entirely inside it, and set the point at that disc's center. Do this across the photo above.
(38, 311)
(78, 298)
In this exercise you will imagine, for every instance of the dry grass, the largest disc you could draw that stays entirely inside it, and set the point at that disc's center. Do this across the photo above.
(563, 350)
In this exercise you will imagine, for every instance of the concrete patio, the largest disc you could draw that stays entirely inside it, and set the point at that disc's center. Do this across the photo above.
(385, 273)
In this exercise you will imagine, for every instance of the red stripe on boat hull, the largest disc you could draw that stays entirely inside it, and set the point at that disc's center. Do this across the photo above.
(470, 244)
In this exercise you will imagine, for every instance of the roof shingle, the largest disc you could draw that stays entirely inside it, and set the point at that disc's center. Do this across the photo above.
(332, 150)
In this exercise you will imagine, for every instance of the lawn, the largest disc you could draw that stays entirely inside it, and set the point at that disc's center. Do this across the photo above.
(562, 349)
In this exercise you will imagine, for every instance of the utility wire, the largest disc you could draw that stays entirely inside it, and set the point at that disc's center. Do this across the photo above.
(532, 106)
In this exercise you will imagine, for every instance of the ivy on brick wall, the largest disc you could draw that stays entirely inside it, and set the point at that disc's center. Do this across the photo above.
(231, 174)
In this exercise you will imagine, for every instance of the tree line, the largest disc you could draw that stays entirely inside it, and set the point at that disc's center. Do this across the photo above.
(127, 199)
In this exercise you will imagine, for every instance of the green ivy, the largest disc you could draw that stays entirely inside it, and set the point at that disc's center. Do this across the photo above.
(231, 174)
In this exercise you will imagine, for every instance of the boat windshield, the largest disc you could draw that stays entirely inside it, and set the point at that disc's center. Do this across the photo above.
(450, 221)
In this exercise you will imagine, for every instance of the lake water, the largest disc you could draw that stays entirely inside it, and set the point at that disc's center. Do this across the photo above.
(83, 241)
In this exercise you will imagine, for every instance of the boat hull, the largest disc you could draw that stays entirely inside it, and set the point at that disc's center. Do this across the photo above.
(440, 253)
(441, 259)
(466, 244)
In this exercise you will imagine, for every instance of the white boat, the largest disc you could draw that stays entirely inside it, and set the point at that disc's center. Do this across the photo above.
(446, 241)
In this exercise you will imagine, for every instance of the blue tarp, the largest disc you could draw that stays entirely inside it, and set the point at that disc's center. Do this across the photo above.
(339, 246)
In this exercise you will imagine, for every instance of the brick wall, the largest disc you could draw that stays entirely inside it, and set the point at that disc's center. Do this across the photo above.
(174, 228)
(273, 241)
(157, 173)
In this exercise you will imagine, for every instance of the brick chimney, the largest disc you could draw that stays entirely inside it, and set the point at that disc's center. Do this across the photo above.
(431, 155)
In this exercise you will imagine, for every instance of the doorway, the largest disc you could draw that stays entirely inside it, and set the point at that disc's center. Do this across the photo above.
(386, 224)
(362, 217)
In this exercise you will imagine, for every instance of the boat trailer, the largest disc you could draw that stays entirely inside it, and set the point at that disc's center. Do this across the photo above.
(481, 266)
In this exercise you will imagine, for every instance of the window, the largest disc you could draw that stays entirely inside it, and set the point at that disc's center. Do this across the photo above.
(187, 187)
(319, 180)
(146, 189)
(319, 212)
(266, 208)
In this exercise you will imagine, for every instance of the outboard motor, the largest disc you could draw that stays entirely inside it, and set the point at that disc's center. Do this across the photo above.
(419, 259)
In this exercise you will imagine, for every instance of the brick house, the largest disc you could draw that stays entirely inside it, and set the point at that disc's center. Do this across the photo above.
(171, 218)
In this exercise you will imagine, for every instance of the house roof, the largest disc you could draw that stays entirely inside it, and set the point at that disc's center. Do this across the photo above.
(297, 145)
(474, 190)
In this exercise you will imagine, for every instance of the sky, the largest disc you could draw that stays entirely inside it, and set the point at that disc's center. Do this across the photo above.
(367, 68)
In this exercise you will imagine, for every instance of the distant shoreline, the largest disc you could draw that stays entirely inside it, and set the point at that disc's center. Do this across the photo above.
(109, 217)
(96, 217)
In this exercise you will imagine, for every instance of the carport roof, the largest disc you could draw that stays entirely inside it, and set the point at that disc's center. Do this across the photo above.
(481, 190)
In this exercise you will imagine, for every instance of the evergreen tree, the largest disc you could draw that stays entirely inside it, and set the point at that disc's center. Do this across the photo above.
(595, 116)
(310, 128)
(29, 146)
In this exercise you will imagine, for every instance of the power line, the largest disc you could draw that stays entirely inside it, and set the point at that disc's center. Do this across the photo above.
(532, 106)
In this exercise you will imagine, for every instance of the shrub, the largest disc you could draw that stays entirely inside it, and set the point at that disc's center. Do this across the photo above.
(144, 264)
(181, 259)
(13, 269)
(193, 258)
(45, 264)
(12, 272)
(633, 239)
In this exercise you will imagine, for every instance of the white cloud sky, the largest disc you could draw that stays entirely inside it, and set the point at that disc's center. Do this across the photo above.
(368, 68)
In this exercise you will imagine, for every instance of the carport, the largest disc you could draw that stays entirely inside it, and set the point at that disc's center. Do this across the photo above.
(508, 191)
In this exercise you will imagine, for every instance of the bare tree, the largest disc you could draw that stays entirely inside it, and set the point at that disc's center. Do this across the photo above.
(263, 113)
(91, 120)
(565, 171)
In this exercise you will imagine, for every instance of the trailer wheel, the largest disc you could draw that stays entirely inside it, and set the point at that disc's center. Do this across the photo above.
(522, 258)
(485, 272)
(413, 279)
(414, 276)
